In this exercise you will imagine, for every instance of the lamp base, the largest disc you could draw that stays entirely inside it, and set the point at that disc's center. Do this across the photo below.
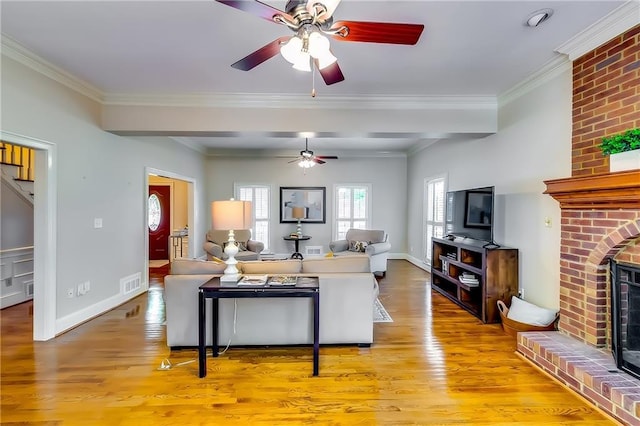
(231, 274)
(230, 280)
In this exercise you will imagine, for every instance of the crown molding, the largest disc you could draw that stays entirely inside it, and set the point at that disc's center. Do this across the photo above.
(16, 51)
(617, 22)
(19, 53)
(280, 101)
(549, 71)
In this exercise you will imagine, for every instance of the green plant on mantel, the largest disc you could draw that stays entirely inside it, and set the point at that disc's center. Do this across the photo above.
(622, 142)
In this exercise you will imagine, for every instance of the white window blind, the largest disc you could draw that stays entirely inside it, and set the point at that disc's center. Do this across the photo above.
(352, 208)
(434, 213)
(260, 196)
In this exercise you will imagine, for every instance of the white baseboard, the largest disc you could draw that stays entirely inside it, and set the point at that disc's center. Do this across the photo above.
(75, 319)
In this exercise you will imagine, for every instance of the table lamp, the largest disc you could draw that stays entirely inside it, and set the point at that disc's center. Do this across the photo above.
(231, 215)
(298, 213)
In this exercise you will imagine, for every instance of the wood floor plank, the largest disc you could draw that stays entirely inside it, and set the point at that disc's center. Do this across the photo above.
(434, 365)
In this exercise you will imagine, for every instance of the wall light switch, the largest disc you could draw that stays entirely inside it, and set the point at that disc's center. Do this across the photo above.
(97, 222)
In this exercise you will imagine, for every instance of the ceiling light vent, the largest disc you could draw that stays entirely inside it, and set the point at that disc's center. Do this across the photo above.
(538, 17)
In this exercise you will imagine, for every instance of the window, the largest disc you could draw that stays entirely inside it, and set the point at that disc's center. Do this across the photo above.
(352, 208)
(155, 212)
(434, 213)
(260, 196)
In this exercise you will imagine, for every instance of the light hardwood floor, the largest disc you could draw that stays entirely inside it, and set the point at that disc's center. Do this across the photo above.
(435, 364)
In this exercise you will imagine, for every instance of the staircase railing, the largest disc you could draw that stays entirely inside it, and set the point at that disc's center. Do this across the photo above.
(23, 160)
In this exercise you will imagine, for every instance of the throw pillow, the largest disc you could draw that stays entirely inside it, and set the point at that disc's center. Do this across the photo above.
(528, 313)
(358, 246)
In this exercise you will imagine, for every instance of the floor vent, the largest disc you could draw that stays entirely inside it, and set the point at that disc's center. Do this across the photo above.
(314, 250)
(130, 284)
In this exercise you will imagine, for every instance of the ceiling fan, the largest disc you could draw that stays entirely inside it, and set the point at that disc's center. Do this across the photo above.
(312, 21)
(307, 159)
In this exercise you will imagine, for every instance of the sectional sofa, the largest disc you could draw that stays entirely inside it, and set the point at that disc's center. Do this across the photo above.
(348, 290)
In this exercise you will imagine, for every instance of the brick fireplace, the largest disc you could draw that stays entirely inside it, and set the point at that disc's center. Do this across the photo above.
(600, 220)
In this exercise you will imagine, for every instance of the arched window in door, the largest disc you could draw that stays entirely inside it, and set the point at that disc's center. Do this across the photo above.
(155, 212)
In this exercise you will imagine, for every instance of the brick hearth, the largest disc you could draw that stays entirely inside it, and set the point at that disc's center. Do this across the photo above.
(588, 371)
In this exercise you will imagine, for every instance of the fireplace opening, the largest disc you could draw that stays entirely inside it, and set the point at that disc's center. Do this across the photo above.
(625, 316)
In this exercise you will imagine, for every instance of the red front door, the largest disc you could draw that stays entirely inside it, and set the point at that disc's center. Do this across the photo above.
(159, 221)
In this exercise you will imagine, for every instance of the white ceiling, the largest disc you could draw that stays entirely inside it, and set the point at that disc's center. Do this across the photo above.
(138, 48)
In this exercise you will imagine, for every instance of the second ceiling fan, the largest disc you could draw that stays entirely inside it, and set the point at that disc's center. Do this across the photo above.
(307, 159)
(312, 22)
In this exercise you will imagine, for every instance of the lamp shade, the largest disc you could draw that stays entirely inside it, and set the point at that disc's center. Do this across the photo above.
(297, 212)
(231, 214)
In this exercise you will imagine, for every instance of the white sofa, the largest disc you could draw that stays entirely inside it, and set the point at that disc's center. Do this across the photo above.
(376, 247)
(347, 292)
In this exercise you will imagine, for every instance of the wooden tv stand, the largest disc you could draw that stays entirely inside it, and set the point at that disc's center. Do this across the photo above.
(496, 270)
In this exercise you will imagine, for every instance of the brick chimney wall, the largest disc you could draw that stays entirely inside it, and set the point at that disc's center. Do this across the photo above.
(606, 100)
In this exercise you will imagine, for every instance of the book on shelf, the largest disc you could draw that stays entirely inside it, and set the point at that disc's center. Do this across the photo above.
(469, 279)
(283, 280)
(253, 280)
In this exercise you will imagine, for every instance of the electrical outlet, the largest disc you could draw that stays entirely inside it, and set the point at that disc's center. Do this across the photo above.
(70, 292)
(521, 293)
(547, 222)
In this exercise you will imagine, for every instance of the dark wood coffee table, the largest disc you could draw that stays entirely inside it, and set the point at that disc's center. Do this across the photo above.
(304, 287)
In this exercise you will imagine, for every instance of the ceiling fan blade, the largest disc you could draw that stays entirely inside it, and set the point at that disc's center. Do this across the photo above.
(379, 32)
(318, 161)
(256, 8)
(331, 74)
(294, 161)
(327, 157)
(254, 59)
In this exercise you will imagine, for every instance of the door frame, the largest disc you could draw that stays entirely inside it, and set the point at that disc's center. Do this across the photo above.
(44, 233)
(192, 208)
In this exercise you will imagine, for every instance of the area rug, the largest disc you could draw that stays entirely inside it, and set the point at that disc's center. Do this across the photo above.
(158, 263)
(380, 314)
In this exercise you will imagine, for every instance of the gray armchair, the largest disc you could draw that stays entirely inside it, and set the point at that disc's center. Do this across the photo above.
(248, 249)
(375, 246)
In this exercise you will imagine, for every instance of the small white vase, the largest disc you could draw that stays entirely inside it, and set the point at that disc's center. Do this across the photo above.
(629, 160)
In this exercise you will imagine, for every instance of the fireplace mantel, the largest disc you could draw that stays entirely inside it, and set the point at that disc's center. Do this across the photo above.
(620, 190)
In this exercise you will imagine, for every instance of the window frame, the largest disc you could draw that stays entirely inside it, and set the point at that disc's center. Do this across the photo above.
(426, 238)
(237, 188)
(336, 205)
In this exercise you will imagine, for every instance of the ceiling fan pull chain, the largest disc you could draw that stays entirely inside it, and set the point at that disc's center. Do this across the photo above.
(313, 83)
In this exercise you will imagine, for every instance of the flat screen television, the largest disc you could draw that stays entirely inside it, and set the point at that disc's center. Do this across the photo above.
(469, 213)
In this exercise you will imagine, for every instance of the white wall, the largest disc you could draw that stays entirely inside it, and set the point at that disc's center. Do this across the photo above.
(386, 175)
(533, 144)
(99, 175)
(16, 219)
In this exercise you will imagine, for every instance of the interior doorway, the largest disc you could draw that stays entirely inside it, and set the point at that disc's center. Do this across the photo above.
(181, 216)
(45, 233)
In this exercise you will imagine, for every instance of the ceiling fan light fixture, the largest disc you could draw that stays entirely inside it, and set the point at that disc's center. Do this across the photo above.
(326, 60)
(303, 63)
(291, 50)
(318, 44)
(306, 163)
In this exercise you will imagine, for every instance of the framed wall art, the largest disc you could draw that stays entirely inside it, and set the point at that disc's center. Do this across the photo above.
(311, 199)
